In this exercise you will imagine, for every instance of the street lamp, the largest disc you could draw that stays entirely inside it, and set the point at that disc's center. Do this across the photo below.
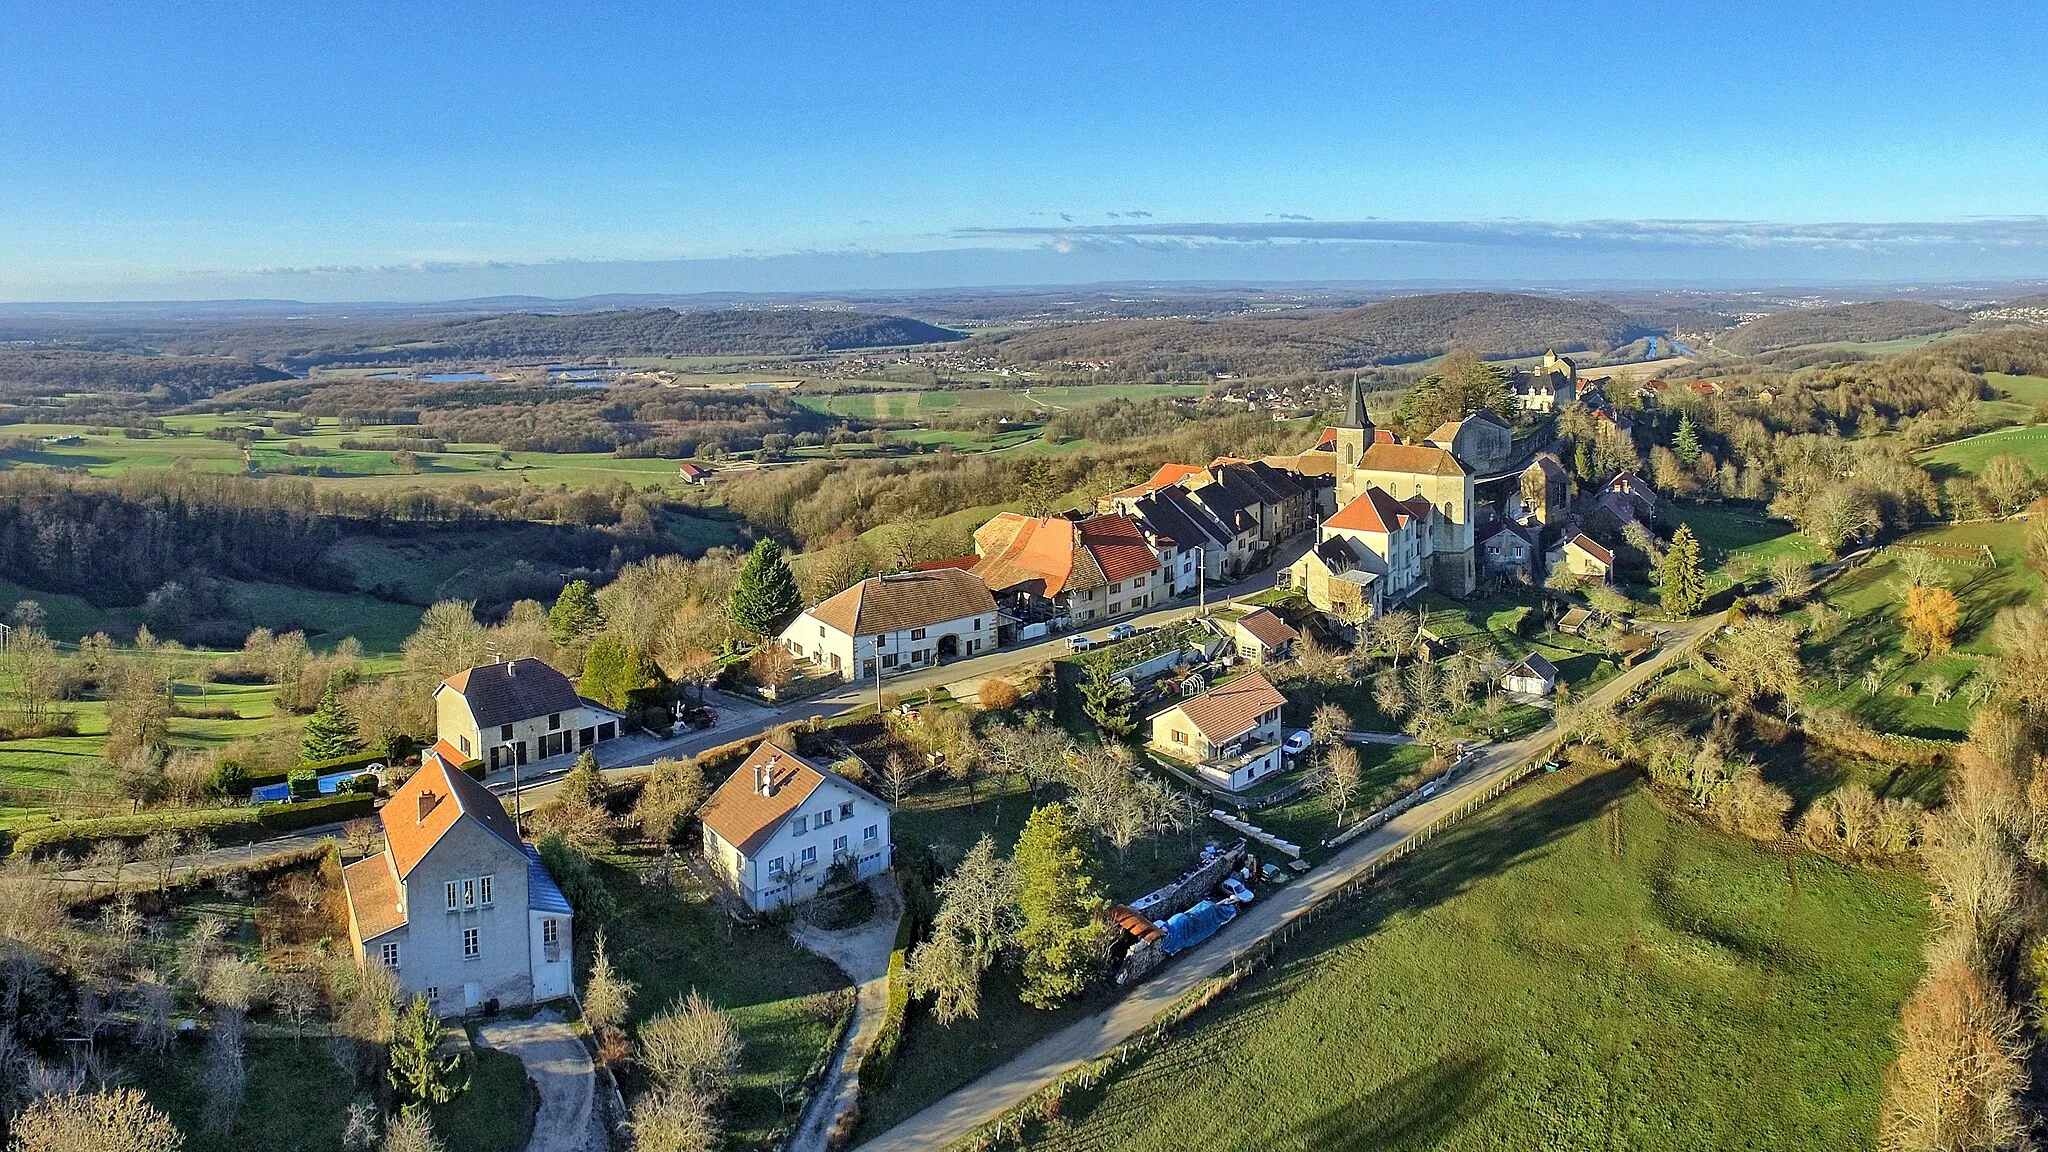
(512, 755)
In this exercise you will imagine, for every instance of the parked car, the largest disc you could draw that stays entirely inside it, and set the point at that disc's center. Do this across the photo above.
(1079, 643)
(1552, 765)
(1122, 632)
(1236, 890)
(1297, 742)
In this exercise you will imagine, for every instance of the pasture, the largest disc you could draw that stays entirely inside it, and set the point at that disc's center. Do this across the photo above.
(928, 404)
(1968, 457)
(1733, 532)
(1574, 969)
(1908, 695)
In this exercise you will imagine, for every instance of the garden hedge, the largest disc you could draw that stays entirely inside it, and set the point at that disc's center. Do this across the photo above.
(221, 825)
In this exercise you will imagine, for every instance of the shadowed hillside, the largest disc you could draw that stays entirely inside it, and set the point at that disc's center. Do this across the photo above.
(1850, 323)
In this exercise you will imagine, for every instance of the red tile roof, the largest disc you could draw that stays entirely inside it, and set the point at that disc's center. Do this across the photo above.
(1118, 546)
(412, 827)
(905, 600)
(1592, 548)
(1266, 626)
(1168, 474)
(373, 895)
(1060, 554)
(1373, 510)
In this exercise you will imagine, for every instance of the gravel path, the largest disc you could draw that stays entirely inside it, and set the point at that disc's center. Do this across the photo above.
(560, 1068)
(862, 953)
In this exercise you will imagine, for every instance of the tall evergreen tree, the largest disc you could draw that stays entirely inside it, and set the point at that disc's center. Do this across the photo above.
(612, 672)
(1106, 700)
(1687, 442)
(330, 731)
(1041, 489)
(575, 614)
(765, 596)
(1681, 585)
(1060, 905)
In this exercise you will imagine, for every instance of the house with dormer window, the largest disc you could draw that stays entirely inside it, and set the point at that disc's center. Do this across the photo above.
(779, 825)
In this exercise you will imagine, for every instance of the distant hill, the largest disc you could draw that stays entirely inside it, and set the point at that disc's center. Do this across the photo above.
(1400, 330)
(179, 379)
(1849, 323)
(537, 336)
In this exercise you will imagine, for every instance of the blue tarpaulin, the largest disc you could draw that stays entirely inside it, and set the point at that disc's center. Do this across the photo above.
(1189, 928)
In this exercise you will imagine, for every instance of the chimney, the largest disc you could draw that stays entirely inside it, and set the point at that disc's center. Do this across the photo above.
(511, 667)
(427, 802)
(764, 779)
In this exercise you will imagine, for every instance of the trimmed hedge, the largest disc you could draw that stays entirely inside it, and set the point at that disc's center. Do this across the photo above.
(250, 781)
(221, 825)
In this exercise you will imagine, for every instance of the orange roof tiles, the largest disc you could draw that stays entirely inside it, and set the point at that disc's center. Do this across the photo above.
(1372, 510)
(1059, 554)
(1266, 626)
(373, 895)
(1592, 548)
(906, 600)
(746, 819)
(412, 827)
(1412, 458)
(1118, 546)
(1167, 475)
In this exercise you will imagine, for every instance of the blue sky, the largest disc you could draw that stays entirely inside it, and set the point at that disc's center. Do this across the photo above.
(361, 150)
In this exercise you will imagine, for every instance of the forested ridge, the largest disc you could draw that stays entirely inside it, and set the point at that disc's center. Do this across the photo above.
(1849, 323)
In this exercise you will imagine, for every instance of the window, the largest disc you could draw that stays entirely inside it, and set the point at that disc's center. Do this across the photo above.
(483, 891)
(977, 624)
(472, 945)
(433, 993)
(504, 731)
(1179, 737)
(453, 902)
(551, 931)
(387, 954)
(917, 633)
(778, 866)
(464, 741)
(800, 825)
(870, 834)
(810, 857)
(846, 810)
(554, 721)
(838, 844)
(1137, 581)
(824, 817)
(888, 659)
(882, 641)
(821, 631)
(469, 893)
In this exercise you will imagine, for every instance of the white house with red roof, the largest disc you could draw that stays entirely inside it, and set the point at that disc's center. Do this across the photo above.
(1584, 557)
(779, 825)
(456, 906)
(1230, 735)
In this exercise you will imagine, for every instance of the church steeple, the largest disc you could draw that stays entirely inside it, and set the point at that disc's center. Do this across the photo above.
(1354, 436)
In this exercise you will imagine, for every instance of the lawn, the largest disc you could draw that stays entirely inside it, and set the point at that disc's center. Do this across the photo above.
(1968, 457)
(1306, 820)
(1575, 969)
(669, 941)
(1870, 598)
(1726, 531)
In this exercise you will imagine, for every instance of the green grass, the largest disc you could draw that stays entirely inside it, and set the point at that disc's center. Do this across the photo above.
(1968, 457)
(1871, 598)
(1306, 820)
(1576, 969)
(296, 1099)
(496, 1113)
(916, 404)
(670, 942)
(1726, 531)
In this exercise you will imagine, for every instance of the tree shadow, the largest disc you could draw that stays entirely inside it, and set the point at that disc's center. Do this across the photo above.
(1420, 1110)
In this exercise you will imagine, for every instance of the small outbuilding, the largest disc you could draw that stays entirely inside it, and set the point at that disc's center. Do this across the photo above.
(1534, 676)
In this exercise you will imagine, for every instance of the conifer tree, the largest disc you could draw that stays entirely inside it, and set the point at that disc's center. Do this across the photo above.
(330, 731)
(766, 595)
(1687, 442)
(1060, 906)
(1106, 700)
(1680, 584)
(575, 614)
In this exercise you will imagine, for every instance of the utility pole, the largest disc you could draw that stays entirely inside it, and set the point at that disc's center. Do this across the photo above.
(517, 814)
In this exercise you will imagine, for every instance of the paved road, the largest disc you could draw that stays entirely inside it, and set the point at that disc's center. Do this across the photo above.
(538, 782)
(560, 1068)
(957, 1115)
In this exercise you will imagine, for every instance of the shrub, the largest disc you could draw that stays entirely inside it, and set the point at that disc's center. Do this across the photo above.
(221, 825)
(998, 695)
(474, 769)
(304, 785)
(228, 778)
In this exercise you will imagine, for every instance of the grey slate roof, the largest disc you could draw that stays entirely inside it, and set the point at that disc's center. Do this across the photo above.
(511, 692)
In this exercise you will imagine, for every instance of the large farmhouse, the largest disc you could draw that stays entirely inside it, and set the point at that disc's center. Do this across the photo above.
(908, 620)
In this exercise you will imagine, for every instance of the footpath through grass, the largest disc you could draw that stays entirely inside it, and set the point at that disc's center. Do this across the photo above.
(1576, 969)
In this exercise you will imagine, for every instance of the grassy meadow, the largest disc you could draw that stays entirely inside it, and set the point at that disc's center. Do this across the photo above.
(1968, 457)
(1575, 969)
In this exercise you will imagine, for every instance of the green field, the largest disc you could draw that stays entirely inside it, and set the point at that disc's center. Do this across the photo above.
(1871, 597)
(1727, 531)
(1968, 457)
(938, 403)
(1573, 970)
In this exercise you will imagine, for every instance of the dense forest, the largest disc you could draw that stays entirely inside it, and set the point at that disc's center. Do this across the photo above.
(42, 372)
(590, 335)
(1391, 332)
(1850, 323)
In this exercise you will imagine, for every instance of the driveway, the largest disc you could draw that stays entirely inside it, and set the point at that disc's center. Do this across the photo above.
(560, 1068)
(862, 952)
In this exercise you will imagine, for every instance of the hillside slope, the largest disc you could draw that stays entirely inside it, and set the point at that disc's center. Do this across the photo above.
(1849, 323)
(178, 379)
(535, 336)
(1393, 331)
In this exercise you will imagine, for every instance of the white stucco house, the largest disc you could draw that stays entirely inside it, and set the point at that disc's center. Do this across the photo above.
(1229, 735)
(456, 906)
(779, 824)
(908, 620)
(515, 710)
